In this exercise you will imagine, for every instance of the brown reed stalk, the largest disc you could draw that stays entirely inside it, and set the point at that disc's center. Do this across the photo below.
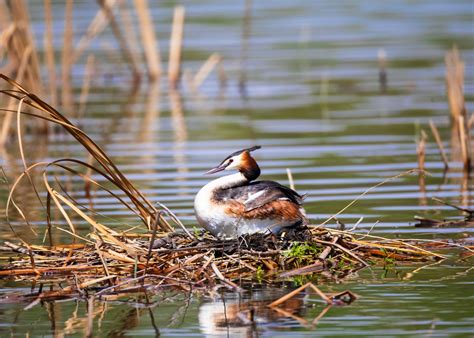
(22, 39)
(420, 150)
(455, 84)
(124, 44)
(455, 91)
(90, 65)
(174, 62)
(465, 143)
(437, 137)
(9, 114)
(67, 58)
(49, 52)
(97, 25)
(4, 17)
(290, 178)
(206, 69)
(6, 29)
(130, 32)
(17, 41)
(149, 41)
(143, 207)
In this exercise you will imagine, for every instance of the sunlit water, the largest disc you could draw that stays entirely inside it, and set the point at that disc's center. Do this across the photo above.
(311, 97)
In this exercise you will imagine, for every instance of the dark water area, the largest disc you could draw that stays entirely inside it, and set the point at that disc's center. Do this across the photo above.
(303, 82)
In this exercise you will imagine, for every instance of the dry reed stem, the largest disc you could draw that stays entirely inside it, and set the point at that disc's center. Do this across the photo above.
(465, 143)
(340, 247)
(29, 271)
(437, 137)
(104, 263)
(67, 59)
(130, 32)
(89, 283)
(222, 278)
(420, 150)
(96, 26)
(149, 41)
(470, 122)
(418, 250)
(90, 65)
(124, 45)
(7, 120)
(174, 62)
(455, 83)
(23, 38)
(297, 291)
(408, 172)
(49, 53)
(205, 70)
(112, 173)
(290, 178)
(4, 17)
(5, 36)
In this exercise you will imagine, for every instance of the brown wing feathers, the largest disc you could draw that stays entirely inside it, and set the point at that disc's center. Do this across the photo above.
(279, 210)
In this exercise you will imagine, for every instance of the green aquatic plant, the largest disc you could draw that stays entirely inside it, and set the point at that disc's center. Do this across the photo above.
(259, 274)
(302, 251)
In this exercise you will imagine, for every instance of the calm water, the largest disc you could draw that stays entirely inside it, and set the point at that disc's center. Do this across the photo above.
(302, 81)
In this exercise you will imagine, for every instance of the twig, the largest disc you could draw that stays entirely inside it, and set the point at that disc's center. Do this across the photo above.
(340, 247)
(297, 291)
(408, 172)
(222, 278)
(290, 178)
(328, 249)
(176, 219)
(152, 239)
(452, 205)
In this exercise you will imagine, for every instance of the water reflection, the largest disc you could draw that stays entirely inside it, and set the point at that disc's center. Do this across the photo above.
(237, 317)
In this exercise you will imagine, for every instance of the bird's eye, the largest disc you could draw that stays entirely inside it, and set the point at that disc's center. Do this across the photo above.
(230, 161)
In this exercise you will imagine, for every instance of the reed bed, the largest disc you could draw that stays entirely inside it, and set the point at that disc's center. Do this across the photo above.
(18, 47)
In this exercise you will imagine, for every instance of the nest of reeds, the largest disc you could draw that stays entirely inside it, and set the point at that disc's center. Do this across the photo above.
(112, 263)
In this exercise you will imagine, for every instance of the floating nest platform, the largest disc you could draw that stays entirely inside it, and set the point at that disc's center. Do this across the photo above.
(111, 263)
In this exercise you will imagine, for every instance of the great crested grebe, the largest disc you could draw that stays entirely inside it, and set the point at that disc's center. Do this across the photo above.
(234, 205)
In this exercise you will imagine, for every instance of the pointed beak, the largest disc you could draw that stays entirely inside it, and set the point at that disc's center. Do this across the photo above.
(215, 170)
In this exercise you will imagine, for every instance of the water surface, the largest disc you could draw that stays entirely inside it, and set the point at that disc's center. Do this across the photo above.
(303, 82)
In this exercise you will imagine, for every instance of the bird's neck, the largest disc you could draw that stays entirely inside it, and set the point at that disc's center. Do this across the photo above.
(229, 181)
